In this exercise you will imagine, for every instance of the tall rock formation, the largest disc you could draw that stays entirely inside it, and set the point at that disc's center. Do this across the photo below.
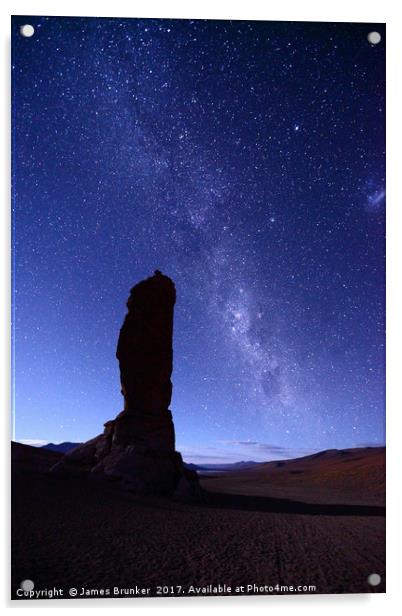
(137, 448)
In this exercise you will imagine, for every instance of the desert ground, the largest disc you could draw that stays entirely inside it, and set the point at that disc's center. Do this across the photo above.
(316, 522)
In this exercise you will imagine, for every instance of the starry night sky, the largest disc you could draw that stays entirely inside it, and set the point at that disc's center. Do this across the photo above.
(246, 161)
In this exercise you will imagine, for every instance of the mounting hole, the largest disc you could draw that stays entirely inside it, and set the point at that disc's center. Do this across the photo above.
(27, 30)
(27, 585)
(374, 579)
(374, 38)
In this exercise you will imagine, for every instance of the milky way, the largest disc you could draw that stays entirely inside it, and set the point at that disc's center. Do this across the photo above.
(246, 161)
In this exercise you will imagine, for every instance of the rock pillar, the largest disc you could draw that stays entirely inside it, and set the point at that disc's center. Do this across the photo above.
(137, 448)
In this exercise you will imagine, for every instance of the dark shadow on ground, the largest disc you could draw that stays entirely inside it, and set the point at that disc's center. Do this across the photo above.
(281, 505)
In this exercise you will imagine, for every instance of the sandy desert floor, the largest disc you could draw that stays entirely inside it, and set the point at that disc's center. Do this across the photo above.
(78, 533)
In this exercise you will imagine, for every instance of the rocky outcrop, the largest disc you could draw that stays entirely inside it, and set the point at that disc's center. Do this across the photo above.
(137, 448)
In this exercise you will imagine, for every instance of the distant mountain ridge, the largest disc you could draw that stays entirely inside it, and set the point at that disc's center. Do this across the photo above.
(325, 455)
(61, 447)
(68, 446)
(231, 466)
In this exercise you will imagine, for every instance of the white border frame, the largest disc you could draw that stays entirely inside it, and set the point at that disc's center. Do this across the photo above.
(290, 10)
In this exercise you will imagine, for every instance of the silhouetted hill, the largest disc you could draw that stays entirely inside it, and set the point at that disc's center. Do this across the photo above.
(32, 459)
(355, 476)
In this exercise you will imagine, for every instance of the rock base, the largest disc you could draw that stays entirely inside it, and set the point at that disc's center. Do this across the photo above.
(137, 451)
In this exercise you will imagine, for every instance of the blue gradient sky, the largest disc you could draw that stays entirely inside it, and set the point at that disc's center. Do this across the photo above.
(246, 161)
